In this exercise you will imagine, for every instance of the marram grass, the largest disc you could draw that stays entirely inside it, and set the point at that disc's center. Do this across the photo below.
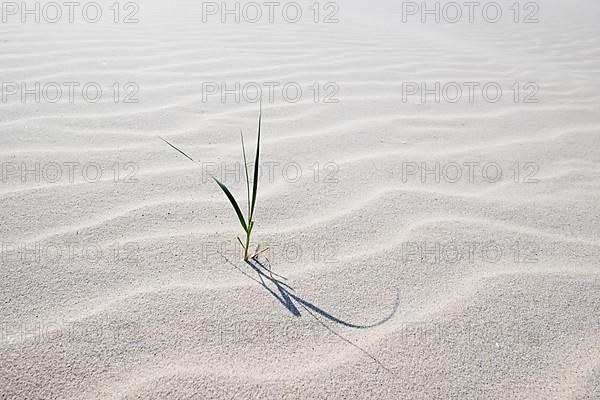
(248, 222)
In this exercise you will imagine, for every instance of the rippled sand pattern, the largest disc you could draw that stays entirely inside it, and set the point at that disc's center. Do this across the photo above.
(382, 305)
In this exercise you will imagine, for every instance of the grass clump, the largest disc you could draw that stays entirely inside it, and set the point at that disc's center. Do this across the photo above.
(247, 222)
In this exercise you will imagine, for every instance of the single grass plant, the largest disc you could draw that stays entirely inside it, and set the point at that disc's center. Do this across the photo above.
(247, 222)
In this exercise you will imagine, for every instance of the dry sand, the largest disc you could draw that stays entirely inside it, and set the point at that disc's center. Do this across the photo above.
(130, 286)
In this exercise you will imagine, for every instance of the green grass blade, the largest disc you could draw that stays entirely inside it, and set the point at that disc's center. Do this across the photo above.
(233, 203)
(247, 175)
(256, 168)
(181, 151)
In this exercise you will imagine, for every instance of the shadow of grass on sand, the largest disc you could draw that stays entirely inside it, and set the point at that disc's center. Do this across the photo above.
(284, 293)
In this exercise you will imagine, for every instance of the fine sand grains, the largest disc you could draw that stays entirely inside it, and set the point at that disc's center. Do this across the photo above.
(436, 249)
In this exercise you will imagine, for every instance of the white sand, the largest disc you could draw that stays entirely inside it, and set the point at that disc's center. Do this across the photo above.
(172, 319)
